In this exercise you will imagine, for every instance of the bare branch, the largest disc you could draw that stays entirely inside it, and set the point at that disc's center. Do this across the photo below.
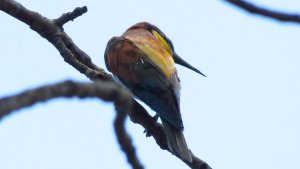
(123, 138)
(73, 55)
(70, 16)
(107, 91)
(50, 30)
(284, 17)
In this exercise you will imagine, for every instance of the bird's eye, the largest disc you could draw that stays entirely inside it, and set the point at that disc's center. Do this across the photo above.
(163, 41)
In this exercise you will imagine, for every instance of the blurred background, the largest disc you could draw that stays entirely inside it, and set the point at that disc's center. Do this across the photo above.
(245, 114)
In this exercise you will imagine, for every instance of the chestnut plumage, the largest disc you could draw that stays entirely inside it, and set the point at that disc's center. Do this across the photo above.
(143, 59)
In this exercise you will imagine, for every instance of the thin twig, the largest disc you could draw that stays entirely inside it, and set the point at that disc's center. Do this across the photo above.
(280, 16)
(70, 16)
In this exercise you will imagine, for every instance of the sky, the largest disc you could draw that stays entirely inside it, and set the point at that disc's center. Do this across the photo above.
(244, 115)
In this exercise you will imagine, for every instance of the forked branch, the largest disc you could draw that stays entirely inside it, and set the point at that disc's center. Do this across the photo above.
(107, 91)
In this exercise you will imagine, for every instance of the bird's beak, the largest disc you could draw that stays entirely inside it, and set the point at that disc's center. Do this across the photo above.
(182, 62)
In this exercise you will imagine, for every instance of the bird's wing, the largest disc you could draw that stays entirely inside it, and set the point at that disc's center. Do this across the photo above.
(146, 80)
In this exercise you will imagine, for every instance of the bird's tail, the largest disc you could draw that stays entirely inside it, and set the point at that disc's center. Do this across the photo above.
(176, 141)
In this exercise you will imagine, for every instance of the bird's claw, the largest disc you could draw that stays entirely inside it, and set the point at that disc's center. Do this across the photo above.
(155, 118)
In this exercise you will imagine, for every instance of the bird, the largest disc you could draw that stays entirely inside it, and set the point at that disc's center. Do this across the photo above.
(143, 60)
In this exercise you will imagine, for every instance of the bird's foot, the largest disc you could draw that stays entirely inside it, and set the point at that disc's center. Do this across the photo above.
(155, 118)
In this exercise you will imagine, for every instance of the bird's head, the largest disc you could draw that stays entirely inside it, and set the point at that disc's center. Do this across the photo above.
(165, 41)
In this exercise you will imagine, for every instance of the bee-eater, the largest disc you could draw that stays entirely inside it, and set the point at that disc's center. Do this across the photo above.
(143, 60)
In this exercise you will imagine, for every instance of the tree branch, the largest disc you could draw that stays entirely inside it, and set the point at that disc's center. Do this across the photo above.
(280, 16)
(52, 31)
(70, 16)
(123, 138)
(107, 91)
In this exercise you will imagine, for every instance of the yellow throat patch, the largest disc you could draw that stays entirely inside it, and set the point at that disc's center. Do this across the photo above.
(157, 50)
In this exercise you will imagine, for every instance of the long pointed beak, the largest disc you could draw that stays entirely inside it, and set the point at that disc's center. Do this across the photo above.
(182, 62)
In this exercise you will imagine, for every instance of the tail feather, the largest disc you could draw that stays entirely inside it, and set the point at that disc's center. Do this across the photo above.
(176, 141)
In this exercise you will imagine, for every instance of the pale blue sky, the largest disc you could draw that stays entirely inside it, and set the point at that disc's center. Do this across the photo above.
(244, 115)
